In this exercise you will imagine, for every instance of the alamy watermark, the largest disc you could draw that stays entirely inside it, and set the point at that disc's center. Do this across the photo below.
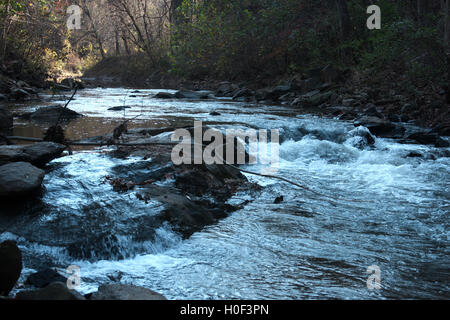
(374, 280)
(74, 20)
(75, 13)
(74, 279)
(234, 148)
(374, 21)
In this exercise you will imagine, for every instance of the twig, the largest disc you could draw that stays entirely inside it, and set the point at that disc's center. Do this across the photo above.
(67, 103)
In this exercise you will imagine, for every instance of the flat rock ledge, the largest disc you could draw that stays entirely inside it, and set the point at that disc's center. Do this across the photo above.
(19, 179)
(125, 292)
(37, 154)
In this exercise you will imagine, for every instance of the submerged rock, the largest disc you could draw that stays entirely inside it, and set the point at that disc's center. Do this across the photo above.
(360, 138)
(125, 292)
(19, 179)
(37, 154)
(43, 278)
(52, 114)
(54, 291)
(164, 95)
(10, 266)
(120, 108)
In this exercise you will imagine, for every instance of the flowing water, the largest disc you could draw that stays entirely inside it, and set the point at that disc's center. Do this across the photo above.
(307, 247)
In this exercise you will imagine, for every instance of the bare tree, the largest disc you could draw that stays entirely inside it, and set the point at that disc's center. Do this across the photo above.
(344, 19)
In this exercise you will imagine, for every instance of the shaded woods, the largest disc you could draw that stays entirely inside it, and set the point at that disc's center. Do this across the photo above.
(228, 39)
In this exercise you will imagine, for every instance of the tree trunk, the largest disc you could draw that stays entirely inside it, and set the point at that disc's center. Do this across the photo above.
(344, 19)
(421, 11)
(174, 4)
(447, 25)
(125, 44)
(116, 35)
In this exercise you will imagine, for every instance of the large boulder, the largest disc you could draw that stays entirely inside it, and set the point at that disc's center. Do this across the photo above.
(19, 179)
(52, 114)
(377, 126)
(125, 292)
(10, 266)
(54, 291)
(37, 154)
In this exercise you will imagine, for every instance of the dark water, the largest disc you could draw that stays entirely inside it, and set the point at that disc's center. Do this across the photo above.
(308, 247)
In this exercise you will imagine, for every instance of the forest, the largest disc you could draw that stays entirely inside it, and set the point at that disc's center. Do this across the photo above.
(100, 199)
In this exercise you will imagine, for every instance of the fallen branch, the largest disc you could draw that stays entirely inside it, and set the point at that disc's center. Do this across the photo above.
(98, 144)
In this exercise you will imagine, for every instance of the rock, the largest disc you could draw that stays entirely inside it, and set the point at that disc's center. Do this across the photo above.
(277, 92)
(408, 108)
(225, 89)
(37, 154)
(71, 83)
(4, 140)
(19, 94)
(214, 113)
(404, 118)
(118, 108)
(315, 98)
(164, 95)
(376, 125)
(348, 116)
(414, 154)
(54, 291)
(393, 118)
(429, 138)
(116, 276)
(441, 143)
(60, 87)
(349, 102)
(125, 292)
(19, 179)
(360, 138)
(52, 114)
(43, 278)
(311, 84)
(329, 74)
(371, 110)
(278, 200)
(243, 93)
(195, 95)
(10, 266)
(442, 129)
(6, 120)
